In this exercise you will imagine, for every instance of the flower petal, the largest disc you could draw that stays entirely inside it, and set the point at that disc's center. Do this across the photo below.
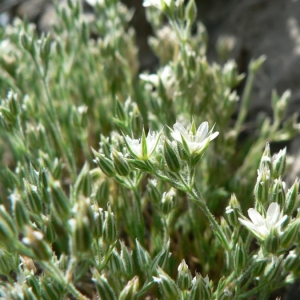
(256, 217)
(180, 130)
(273, 212)
(201, 132)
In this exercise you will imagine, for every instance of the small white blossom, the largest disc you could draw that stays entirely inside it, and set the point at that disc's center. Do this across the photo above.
(144, 147)
(261, 226)
(95, 2)
(157, 3)
(196, 141)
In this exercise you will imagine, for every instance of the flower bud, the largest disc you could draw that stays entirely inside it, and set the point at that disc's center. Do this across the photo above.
(153, 191)
(184, 277)
(273, 268)
(171, 157)
(83, 234)
(19, 210)
(120, 112)
(290, 233)
(13, 104)
(28, 44)
(183, 154)
(191, 12)
(292, 262)
(98, 222)
(240, 256)
(34, 239)
(49, 231)
(272, 241)
(7, 115)
(102, 193)
(116, 263)
(279, 163)
(256, 64)
(45, 49)
(233, 211)
(167, 202)
(105, 164)
(167, 286)
(291, 198)
(33, 283)
(130, 290)
(278, 193)
(5, 263)
(109, 228)
(104, 290)
(60, 201)
(127, 259)
(143, 257)
(8, 230)
(261, 188)
(258, 266)
(161, 258)
(121, 165)
(51, 290)
(200, 288)
(34, 198)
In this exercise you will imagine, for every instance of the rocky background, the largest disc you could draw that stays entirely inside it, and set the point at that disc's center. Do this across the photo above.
(258, 27)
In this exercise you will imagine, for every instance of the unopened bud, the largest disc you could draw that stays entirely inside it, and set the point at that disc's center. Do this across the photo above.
(278, 192)
(102, 193)
(167, 286)
(34, 239)
(19, 210)
(200, 288)
(191, 12)
(104, 290)
(240, 256)
(83, 234)
(184, 277)
(290, 234)
(167, 202)
(98, 222)
(258, 266)
(8, 230)
(292, 262)
(291, 198)
(153, 191)
(121, 165)
(130, 290)
(116, 263)
(273, 268)
(34, 284)
(171, 157)
(13, 104)
(34, 198)
(60, 201)
(143, 257)
(233, 211)
(105, 164)
(127, 259)
(109, 228)
(272, 241)
(279, 163)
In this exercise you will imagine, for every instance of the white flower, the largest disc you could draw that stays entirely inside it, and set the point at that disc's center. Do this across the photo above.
(95, 2)
(196, 141)
(261, 226)
(166, 76)
(157, 3)
(144, 147)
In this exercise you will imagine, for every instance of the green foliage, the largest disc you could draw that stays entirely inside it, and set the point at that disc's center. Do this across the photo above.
(108, 185)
